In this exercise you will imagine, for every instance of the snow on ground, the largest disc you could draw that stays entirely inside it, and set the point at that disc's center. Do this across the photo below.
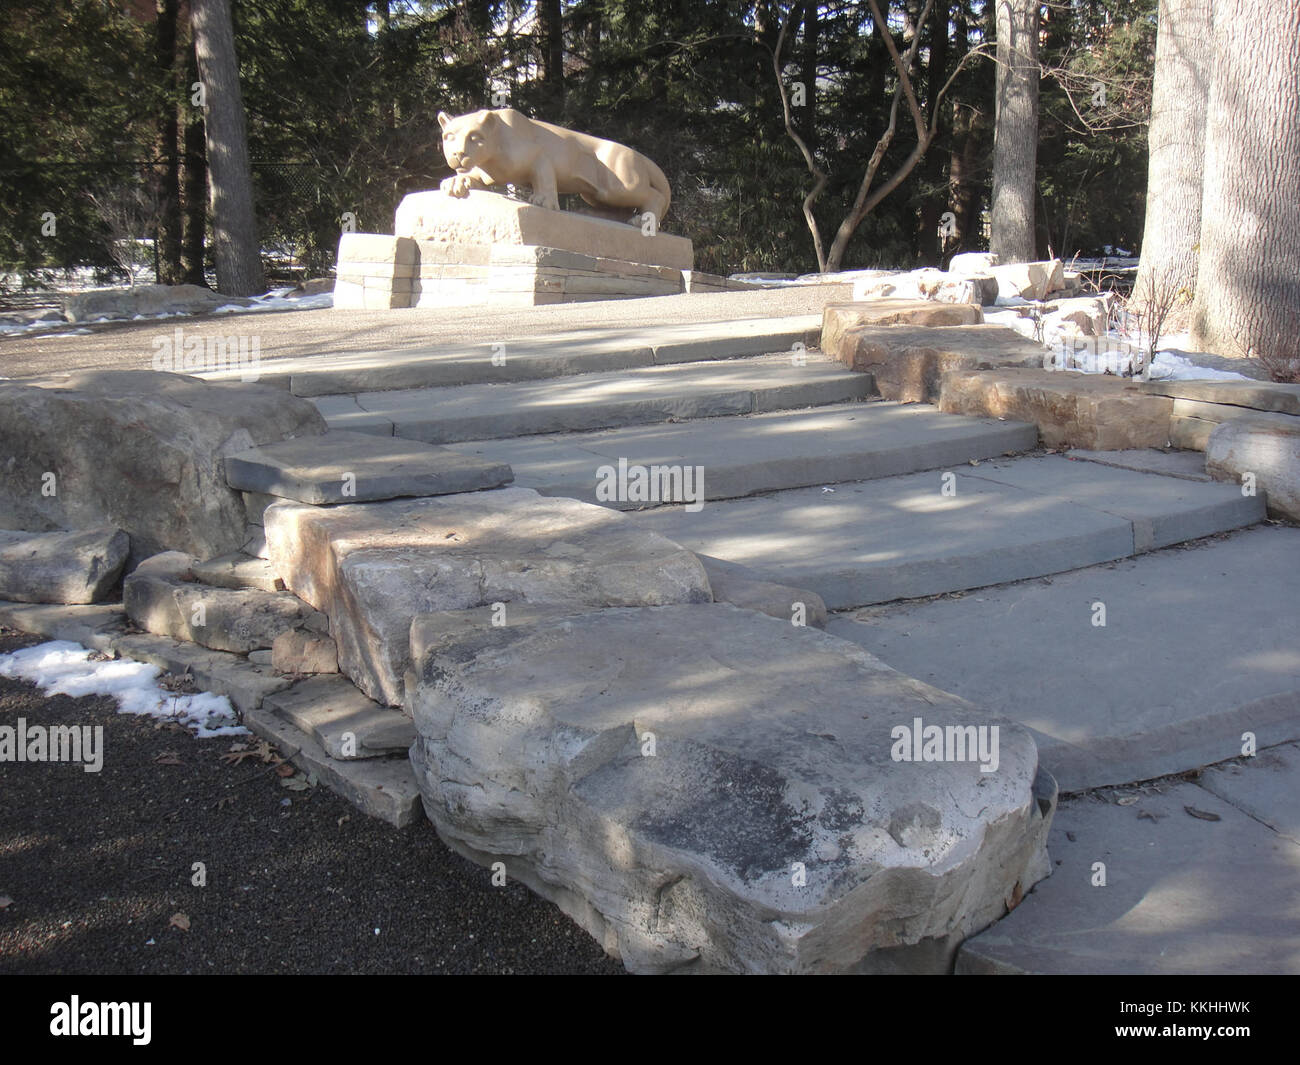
(1113, 353)
(62, 667)
(280, 299)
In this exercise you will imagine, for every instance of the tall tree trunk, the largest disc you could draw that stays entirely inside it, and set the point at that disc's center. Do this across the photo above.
(550, 24)
(965, 180)
(930, 244)
(1015, 133)
(194, 192)
(1184, 64)
(808, 73)
(1248, 283)
(234, 225)
(168, 250)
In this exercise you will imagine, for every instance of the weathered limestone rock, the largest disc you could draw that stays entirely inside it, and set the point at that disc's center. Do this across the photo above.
(1089, 411)
(345, 722)
(139, 450)
(839, 318)
(373, 567)
(1252, 395)
(61, 567)
(1030, 281)
(1267, 446)
(1088, 316)
(979, 289)
(238, 570)
(145, 299)
(737, 585)
(222, 619)
(907, 362)
(706, 788)
(378, 787)
(301, 651)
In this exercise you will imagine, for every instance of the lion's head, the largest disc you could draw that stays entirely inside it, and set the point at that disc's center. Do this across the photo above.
(470, 140)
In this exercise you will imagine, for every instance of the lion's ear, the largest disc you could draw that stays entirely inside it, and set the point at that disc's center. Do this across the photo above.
(490, 117)
(444, 119)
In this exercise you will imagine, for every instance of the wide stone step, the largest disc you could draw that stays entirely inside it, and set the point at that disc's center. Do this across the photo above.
(343, 467)
(949, 530)
(504, 359)
(1200, 878)
(761, 453)
(598, 401)
(1169, 696)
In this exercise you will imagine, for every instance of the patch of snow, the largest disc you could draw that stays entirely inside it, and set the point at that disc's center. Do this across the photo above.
(1171, 366)
(62, 667)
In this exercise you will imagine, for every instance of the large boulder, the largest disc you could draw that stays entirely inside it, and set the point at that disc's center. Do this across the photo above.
(223, 619)
(1030, 281)
(61, 567)
(1092, 411)
(1267, 448)
(979, 289)
(145, 299)
(140, 450)
(706, 788)
(373, 567)
(908, 362)
(839, 318)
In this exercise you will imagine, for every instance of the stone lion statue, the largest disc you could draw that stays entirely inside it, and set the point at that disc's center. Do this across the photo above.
(504, 147)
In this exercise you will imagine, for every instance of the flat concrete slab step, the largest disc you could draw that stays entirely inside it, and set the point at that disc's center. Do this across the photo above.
(948, 530)
(343, 467)
(1205, 893)
(344, 721)
(599, 401)
(500, 359)
(1198, 648)
(238, 570)
(1169, 463)
(380, 787)
(761, 453)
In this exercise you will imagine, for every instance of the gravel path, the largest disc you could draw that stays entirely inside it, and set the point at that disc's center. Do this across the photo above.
(98, 864)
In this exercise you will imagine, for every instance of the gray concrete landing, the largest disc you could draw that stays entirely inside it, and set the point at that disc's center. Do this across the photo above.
(1209, 891)
(1199, 646)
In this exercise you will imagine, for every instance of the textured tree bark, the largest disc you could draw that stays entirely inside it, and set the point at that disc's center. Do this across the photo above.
(1248, 282)
(930, 245)
(808, 72)
(169, 188)
(230, 183)
(965, 181)
(194, 191)
(1015, 134)
(551, 25)
(1184, 63)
